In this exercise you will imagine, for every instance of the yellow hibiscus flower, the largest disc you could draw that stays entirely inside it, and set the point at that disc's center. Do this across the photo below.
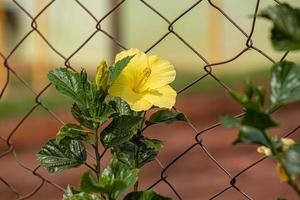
(145, 81)
(286, 143)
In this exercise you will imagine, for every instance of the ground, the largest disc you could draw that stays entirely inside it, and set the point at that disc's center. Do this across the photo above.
(194, 176)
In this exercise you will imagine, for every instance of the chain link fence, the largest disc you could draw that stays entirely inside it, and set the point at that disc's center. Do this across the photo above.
(208, 69)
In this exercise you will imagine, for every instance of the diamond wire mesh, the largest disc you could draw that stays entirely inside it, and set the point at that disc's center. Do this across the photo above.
(208, 68)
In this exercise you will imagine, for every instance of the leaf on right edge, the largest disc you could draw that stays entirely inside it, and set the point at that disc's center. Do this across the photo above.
(250, 135)
(145, 195)
(165, 116)
(285, 34)
(292, 159)
(285, 84)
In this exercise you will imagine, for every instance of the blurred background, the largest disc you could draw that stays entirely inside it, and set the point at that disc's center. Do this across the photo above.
(71, 32)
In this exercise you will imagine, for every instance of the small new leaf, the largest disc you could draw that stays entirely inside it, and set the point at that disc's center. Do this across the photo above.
(58, 157)
(117, 178)
(250, 135)
(230, 122)
(72, 194)
(285, 84)
(89, 184)
(116, 69)
(120, 130)
(258, 119)
(165, 116)
(71, 132)
(145, 195)
(285, 34)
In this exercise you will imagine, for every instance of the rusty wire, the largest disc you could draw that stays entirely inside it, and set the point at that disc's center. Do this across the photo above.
(208, 69)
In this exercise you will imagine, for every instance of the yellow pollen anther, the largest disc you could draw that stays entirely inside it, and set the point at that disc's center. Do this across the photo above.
(143, 79)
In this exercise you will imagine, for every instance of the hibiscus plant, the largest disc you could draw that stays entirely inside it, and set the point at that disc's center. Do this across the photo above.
(111, 116)
(256, 123)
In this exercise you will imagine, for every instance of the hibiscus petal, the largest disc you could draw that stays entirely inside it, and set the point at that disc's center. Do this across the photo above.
(121, 88)
(162, 73)
(129, 52)
(163, 97)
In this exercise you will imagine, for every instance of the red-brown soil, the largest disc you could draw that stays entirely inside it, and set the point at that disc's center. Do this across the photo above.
(194, 176)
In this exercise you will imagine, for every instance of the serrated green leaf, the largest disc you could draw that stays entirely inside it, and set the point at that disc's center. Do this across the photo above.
(292, 160)
(116, 69)
(69, 83)
(229, 121)
(83, 116)
(117, 178)
(250, 135)
(120, 106)
(89, 184)
(58, 157)
(145, 195)
(72, 194)
(285, 84)
(258, 119)
(165, 116)
(120, 130)
(285, 34)
(71, 132)
(146, 148)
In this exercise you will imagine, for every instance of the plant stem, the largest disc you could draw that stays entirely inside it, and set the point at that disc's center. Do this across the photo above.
(279, 160)
(97, 153)
(271, 143)
(294, 186)
(139, 134)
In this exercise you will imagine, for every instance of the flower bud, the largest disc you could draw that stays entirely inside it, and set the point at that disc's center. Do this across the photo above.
(102, 75)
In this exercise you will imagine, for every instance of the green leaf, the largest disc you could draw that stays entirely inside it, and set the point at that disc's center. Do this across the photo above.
(83, 116)
(240, 98)
(165, 116)
(285, 84)
(147, 151)
(69, 83)
(250, 135)
(230, 122)
(285, 34)
(258, 119)
(72, 194)
(116, 69)
(120, 106)
(89, 184)
(145, 195)
(58, 157)
(117, 178)
(120, 130)
(292, 160)
(71, 132)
